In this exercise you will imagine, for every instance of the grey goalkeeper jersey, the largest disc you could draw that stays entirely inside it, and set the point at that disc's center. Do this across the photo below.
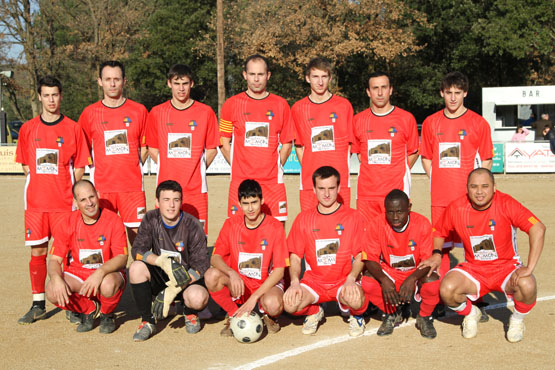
(186, 241)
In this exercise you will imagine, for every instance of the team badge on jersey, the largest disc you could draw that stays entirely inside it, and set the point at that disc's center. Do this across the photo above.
(127, 121)
(483, 247)
(60, 141)
(179, 246)
(379, 151)
(322, 138)
(412, 244)
(269, 114)
(47, 161)
(449, 155)
(333, 117)
(339, 228)
(192, 125)
(402, 263)
(250, 265)
(91, 258)
(28, 232)
(462, 133)
(101, 239)
(233, 209)
(392, 131)
(492, 224)
(326, 251)
(116, 142)
(179, 145)
(257, 134)
(263, 244)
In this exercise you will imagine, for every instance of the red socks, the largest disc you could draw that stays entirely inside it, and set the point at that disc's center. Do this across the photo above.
(37, 271)
(223, 298)
(430, 297)
(109, 304)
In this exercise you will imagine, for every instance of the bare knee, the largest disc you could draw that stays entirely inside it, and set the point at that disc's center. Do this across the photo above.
(111, 284)
(195, 297)
(447, 289)
(138, 272)
(526, 289)
(213, 279)
(272, 303)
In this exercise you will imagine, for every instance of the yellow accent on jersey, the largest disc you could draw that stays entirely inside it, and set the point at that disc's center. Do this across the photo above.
(90, 160)
(125, 251)
(287, 263)
(226, 126)
(533, 220)
(139, 257)
(364, 256)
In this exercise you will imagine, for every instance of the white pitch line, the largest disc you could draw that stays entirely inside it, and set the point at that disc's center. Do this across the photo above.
(328, 342)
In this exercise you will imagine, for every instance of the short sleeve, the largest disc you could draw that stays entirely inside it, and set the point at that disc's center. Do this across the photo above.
(221, 247)
(226, 119)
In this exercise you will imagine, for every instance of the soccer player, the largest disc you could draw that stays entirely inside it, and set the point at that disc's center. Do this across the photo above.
(53, 152)
(395, 246)
(249, 260)
(170, 259)
(454, 141)
(324, 129)
(386, 138)
(115, 130)
(93, 281)
(182, 137)
(257, 121)
(486, 220)
(330, 237)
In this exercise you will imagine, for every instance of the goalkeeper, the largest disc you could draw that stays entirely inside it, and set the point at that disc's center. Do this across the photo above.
(170, 260)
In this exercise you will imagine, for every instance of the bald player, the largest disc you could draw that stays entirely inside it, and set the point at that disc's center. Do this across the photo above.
(386, 140)
(93, 239)
(486, 220)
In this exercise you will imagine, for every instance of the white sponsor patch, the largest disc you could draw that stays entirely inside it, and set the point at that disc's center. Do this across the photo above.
(282, 207)
(176, 255)
(141, 211)
(115, 142)
(256, 134)
(326, 251)
(179, 145)
(379, 151)
(250, 265)
(402, 263)
(322, 138)
(47, 161)
(483, 247)
(91, 258)
(449, 155)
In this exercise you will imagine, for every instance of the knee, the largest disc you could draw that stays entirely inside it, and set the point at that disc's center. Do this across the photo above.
(527, 286)
(212, 277)
(196, 299)
(447, 289)
(110, 285)
(272, 304)
(138, 272)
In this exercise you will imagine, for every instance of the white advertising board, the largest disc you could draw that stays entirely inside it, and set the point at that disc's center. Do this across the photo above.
(529, 157)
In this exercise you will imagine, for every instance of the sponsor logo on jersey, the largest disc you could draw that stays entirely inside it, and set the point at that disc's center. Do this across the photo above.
(141, 212)
(282, 207)
(315, 230)
(333, 116)
(257, 134)
(101, 239)
(169, 124)
(192, 125)
(180, 246)
(491, 224)
(47, 161)
(449, 155)
(392, 131)
(103, 122)
(402, 263)
(91, 258)
(60, 141)
(412, 244)
(390, 246)
(263, 244)
(250, 265)
(37, 139)
(116, 142)
(339, 228)
(462, 133)
(379, 151)
(179, 145)
(322, 138)
(483, 247)
(241, 243)
(270, 115)
(470, 226)
(80, 240)
(127, 121)
(326, 251)
(246, 113)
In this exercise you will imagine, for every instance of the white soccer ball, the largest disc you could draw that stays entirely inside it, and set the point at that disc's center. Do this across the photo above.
(246, 329)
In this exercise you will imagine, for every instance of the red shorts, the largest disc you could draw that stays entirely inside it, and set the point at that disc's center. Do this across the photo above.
(251, 285)
(308, 198)
(371, 209)
(453, 240)
(323, 292)
(82, 274)
(487, 278)
(40, 225)
(130, 205)
(275, 200)
(196, 204)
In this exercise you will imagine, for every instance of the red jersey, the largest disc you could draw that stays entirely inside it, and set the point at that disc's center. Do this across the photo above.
(51, 150)
(253, 252)
(384, 143)
(489, 235)
(455, 146)
(258, 127)
(325, 131)
(90, 245)
(115, 136)
(328, 242)
(399, 250)
(182, 137)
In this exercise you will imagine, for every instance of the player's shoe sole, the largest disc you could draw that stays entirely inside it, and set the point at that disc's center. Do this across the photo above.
(34, 314)
(310, 325)
(470, 323)
(516, 330)
(145, 331)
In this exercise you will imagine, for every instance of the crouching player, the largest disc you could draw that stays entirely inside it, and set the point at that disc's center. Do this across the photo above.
(486, 220)
(329, 236)
(170, 259)
(93, 282)
(395, 246)
(249, 259)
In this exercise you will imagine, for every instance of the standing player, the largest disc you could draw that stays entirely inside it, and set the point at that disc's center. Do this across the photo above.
(258, 121)
(182, 137)
(249, 260)
(396, 245)
(94, 237)
(329, 236)
(170, 259)
(386, 138)
(486, 221)
(53, 152)
(454, 141)
(115, 129)
(324, 130)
